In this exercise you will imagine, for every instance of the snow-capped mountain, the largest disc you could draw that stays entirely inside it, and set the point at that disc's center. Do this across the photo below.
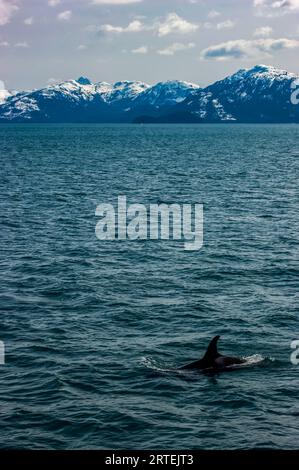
(56, 102)
(4, 94)
(122, 91)
(260, 94)
(83, 101)
(160, 98)
(166, 93)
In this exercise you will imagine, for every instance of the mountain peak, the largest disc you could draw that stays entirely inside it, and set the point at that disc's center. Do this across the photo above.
(260, 72)
(271, 73)
(269, 70)
(262, 68)
(83, 81)
(176, 84)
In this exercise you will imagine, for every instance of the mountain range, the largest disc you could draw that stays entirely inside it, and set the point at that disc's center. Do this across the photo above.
(261, 94)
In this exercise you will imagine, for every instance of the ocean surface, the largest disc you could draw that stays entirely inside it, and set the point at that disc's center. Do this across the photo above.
(95, 331)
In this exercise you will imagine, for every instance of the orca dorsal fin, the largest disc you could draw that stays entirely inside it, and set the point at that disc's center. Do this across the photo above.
(212, 352)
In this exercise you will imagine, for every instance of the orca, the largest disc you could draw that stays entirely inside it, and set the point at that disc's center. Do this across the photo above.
(213, 360)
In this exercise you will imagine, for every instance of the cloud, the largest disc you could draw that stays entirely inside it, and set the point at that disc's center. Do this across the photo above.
(54, 3)
(140, 50)
(64, 15)
(228, 24)
(22, 44)
(175, 47)
(114, 2)
(263, 31)
(213, 14)
(174, 24)
(81, 47)
(271, 8)
(246, 49)
(7, 9)
(134, 27)
(29, 21)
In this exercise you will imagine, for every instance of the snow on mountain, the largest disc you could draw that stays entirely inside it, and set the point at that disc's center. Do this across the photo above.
(4, 94)
(71, 96)
(63, 99)
(83, 88)
(265, 74)
(260, 94)
(205, 106)
(125, 90)
(166, 93)
(201, 106)
(77, 90)
(247, 82)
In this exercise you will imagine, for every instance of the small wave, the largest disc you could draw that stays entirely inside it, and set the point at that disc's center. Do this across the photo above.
(250, 361)
(254, 359)
(155, 365)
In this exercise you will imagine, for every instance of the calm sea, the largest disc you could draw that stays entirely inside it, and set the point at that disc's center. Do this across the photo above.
(94, 331)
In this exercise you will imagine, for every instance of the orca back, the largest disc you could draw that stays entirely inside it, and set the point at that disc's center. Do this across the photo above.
(208, 360)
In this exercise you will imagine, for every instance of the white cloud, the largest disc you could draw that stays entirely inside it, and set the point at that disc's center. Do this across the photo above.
(213, 14)
(22, 44)
(29, 21)
(4, 44)
(114, 2)
(81, 47)
(175, 47)
(263, 31)
(246, 49)
(174, 24)
(7, 9)
(228, 24)
(134, 27)
(109, 28)
(271, 8)
(54, 3)
(64, 15)
(140, 50)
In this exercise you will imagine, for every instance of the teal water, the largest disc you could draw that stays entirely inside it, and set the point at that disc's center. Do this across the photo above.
(94, 331)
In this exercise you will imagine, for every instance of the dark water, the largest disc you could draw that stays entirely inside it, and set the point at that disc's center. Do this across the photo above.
(93, 329)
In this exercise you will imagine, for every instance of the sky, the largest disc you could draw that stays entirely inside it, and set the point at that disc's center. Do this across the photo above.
(201, 41)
